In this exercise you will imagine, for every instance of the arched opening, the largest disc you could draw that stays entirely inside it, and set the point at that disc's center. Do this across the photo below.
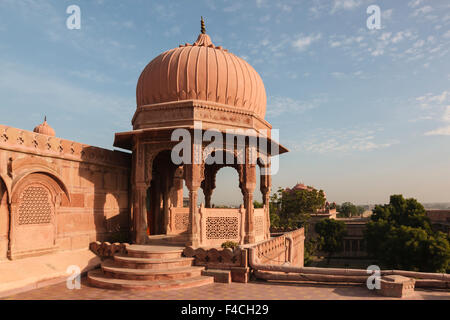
(219, 174)
(159, 193)
(226, 192)
(34, 204)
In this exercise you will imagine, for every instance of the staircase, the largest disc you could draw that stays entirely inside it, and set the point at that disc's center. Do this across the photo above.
(149, 267)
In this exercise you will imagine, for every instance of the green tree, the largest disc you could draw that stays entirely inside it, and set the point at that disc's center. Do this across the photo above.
(257, 204)
(347, 210)
(291, 209)
(331, 234)
(399, 236)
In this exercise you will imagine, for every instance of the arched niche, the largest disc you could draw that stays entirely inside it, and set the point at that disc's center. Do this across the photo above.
(35, 201)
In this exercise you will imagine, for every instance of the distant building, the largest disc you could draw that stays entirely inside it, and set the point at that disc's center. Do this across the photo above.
(440, 220)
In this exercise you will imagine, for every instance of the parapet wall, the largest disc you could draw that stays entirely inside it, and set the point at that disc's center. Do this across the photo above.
(57, 194)
(275, 251)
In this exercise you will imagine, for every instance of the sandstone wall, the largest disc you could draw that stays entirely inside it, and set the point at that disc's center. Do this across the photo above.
(88, 190)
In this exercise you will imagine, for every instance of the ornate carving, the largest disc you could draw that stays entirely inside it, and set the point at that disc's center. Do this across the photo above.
(35, 143)
(35, 206)
(182, 221)
(213, 258)
(106, 249)
(222, 228)
(259, 225)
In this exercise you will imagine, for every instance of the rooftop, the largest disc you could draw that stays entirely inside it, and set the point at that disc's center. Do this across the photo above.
(232, 291)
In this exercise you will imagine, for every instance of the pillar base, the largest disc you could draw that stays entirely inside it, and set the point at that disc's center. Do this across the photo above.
(249, 239)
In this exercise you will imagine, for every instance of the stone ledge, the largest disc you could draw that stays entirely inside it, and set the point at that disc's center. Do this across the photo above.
(222, 276)
(397, 286)
(31, 273)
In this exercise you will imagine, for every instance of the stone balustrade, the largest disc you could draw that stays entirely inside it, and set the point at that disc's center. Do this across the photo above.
(218, 225)
(277, 250)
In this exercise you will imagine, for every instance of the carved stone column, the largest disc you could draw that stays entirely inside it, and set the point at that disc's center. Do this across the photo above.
(265, 184)
(193, 181)
(165, 199)
(176, 192)
(139, 188)
(140, 194)
(249, 188)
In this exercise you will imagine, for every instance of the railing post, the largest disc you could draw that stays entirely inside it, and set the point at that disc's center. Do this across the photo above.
(242, 229)
(202, 222)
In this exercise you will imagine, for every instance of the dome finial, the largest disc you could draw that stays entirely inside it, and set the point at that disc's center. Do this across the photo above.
(44, 128)
(202, 24)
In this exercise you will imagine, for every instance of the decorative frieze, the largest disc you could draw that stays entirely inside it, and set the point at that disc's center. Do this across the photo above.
(14, 139)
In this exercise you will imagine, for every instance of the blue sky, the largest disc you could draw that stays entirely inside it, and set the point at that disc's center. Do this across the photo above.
(365, 113)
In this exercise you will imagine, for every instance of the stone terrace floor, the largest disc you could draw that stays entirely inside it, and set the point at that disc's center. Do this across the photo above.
(255, 290)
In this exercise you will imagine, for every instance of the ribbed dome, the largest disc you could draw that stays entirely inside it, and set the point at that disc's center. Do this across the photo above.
(202, 71)
(44, 128)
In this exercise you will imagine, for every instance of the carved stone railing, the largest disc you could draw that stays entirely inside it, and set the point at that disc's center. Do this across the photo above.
(218, 225)
(217, 258)
(267, 263)
(106, 249)
(178, 220)
(286, 248)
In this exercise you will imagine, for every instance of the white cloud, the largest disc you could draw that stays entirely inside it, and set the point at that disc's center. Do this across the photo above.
(398, 37)
(436, 108)
(385, 36)
(421, 11)
(303, 42)
(344, 140)
(419, 43)
(233, 8)
(414, 3)
(387, 14)
(277, 105)
(447, 35)
(335, 44)
(345, 5)
(444, 131)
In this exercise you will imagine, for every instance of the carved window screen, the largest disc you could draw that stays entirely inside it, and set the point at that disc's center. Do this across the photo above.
(35, 206)
(222, 228)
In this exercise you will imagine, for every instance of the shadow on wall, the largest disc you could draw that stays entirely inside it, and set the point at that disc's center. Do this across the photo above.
(4, 219)
(107, 195)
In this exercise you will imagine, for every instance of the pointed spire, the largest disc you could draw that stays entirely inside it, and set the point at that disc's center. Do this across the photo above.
(45, 118)
(202, 26)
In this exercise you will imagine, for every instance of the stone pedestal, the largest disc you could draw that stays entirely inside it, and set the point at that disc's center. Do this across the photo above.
(240, 274)
(397, 286)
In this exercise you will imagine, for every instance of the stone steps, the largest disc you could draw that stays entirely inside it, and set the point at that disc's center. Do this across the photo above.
(110, 269)
(149, 267)
(99, 279)
(154, 251)
(149, 263)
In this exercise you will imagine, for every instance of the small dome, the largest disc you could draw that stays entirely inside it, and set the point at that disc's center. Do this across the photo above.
(44, 128)
(202, 71)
